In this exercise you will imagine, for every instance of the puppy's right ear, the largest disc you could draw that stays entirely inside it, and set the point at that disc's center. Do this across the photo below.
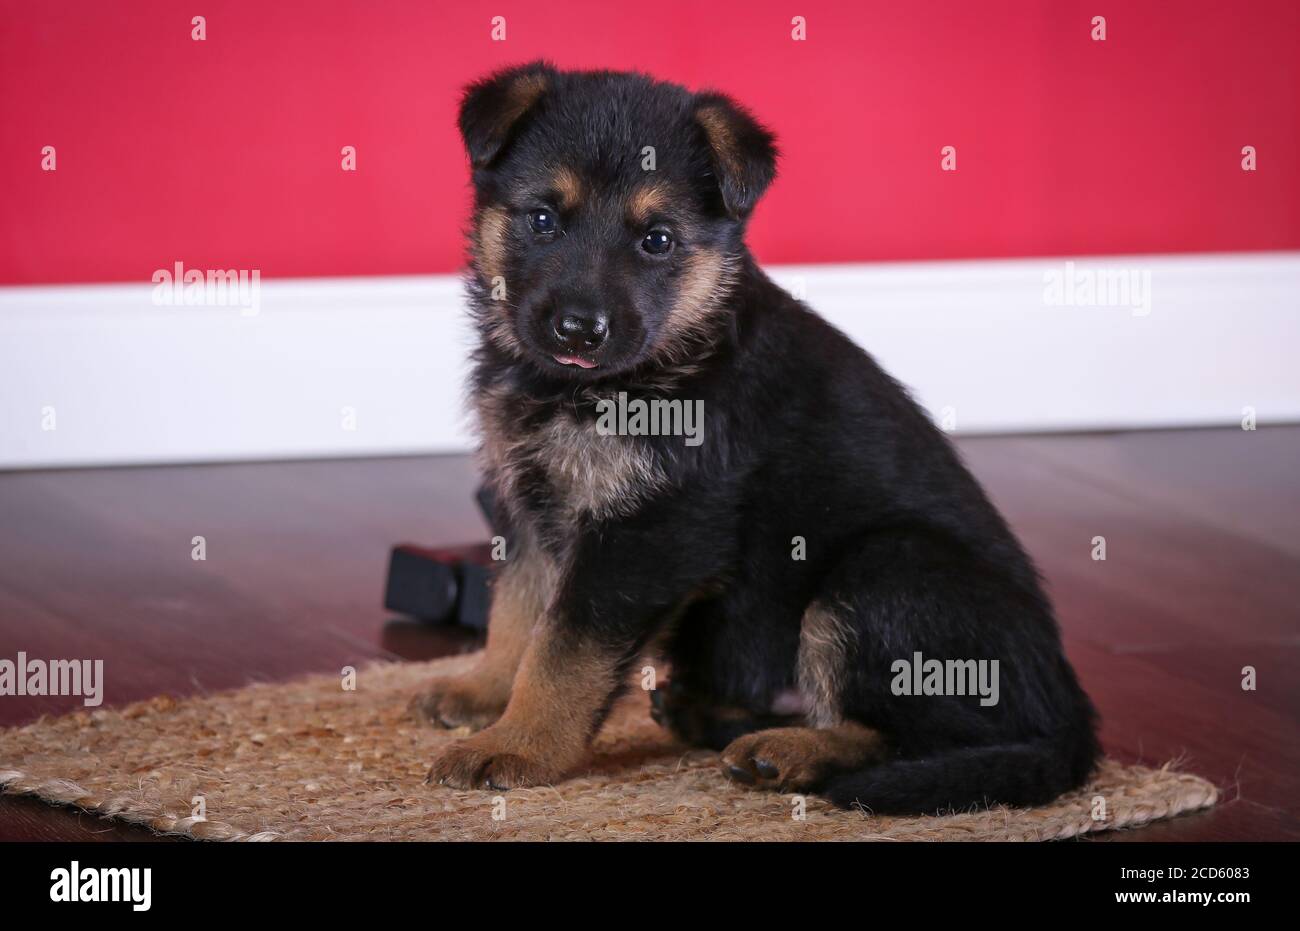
(744, 152)
(492, 108)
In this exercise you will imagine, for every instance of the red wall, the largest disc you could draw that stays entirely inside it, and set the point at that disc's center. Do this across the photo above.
(225, 153)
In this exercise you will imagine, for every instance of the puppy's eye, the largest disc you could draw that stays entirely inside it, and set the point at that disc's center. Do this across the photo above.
(657, 242)
(543, 221)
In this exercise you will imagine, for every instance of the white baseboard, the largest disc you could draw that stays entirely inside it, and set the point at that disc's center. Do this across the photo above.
(130, 382)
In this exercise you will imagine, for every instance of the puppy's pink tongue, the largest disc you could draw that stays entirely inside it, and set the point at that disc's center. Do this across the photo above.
(574, 360)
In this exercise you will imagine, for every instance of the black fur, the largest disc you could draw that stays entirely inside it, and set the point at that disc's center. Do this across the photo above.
(804, 436)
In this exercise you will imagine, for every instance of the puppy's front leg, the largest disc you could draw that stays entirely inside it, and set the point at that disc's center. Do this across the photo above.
(476, 698)
(623, 584)
(563, 687)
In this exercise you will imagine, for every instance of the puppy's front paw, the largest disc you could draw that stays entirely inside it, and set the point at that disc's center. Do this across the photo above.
(460, 701)
(475, 763)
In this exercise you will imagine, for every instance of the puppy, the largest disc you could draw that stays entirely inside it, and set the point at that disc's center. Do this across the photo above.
(820, 533)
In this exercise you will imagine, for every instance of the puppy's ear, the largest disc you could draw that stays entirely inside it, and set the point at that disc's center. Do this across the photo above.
(744, 153)
(492, 108)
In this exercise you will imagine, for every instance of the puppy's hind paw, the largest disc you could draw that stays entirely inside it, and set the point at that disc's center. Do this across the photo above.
(458, 702)
(798, 759)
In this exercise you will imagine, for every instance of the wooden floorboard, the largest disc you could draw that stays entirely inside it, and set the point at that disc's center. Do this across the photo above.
(1202, 578)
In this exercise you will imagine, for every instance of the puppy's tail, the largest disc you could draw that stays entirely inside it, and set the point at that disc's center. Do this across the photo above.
(1020, 774)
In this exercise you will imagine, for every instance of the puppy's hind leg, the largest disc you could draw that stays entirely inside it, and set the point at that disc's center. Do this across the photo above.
(1003, 722)
(805, 757)
(724, 684)
(703, 720)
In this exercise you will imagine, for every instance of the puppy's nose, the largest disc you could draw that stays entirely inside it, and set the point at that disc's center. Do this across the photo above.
(581, 330)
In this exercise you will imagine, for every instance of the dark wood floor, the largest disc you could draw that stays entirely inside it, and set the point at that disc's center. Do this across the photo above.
(1202, 577)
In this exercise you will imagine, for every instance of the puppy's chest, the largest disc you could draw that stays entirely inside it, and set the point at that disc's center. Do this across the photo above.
(582, 471)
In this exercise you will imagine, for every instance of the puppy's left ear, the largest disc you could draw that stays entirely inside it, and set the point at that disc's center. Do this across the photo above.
(744, 152)
(493, 107)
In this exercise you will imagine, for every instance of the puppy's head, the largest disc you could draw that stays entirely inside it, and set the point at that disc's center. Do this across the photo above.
(609, 214)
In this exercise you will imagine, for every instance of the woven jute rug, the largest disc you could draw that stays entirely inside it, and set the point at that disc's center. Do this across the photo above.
(311, 760)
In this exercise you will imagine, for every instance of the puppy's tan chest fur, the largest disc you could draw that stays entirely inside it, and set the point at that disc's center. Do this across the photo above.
(589, 472)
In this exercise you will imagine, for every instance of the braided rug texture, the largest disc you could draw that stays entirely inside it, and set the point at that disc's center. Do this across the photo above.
(308, 760)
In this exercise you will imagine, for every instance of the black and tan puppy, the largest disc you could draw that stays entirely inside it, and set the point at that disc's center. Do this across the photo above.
(821, 532)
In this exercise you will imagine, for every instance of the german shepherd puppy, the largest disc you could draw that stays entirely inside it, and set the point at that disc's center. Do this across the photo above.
(821, 532)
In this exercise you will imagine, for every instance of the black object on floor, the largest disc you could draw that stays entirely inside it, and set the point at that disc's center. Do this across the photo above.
(447, 585)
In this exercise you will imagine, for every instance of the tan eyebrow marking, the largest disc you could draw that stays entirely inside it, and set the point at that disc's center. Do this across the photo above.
(646, 201)
(569, 186)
